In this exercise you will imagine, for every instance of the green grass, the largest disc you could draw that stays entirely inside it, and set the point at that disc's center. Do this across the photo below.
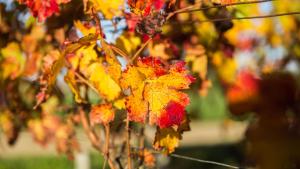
(45, 162)
(36, 162)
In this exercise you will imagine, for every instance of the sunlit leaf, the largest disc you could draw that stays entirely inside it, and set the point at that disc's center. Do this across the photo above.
(156, 94)
(109, 8)
(43, 9)
(103, 82)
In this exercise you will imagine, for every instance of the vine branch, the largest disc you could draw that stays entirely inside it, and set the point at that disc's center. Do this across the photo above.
(95, 140)
(140, 50)
(190, 8)
(128, 143)
(250, 17)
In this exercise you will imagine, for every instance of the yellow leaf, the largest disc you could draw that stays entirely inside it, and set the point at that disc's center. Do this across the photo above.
(131, 77)
(103, 82)
(177, 78)
(6, 122)
(166, 139)
(227, 70)
(109, 8)
(50, 106)
(128, 43)
(85, 55)
(113, 67)
(84, 29)
(196, 55)
(119, 104)
(70, 80)
(13, 61)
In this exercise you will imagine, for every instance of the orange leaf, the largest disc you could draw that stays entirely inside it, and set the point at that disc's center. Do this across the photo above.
(155, 92)
(102, 114)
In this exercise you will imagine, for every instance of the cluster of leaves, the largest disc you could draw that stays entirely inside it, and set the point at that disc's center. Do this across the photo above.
(137, 80)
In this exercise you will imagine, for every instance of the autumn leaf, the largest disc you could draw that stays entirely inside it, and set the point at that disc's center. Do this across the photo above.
(53, 66)
(119, 104)
(128, 43)
(48, 78)
(224, 2)
(85, 28)
(167, 139)
(163, 48)
(245, 87)
(226, 67)
(144, 7)
(136, 105)
(113, 66)
(38, 131)
(243, 95)
(83, 58)
(102, 114)
(132, 78)
(43, 9)
(70, 80)
(13, 62)
(32, 64)
(149, 158)
(8, 126)
(103, 82)
(50, 106)
(66, 141)
(50, 122)
(166, 105)
(109, 8)
(155, 92)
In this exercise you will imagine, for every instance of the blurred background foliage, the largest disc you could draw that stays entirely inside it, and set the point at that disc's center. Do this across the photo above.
(247, 70)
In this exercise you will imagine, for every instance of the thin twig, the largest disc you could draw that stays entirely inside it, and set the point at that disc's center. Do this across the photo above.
(82, 79)
(183, 9)
(119, 51)
(204, 161)
(95, 140)
(142, 143)
(190, 8)
(249, 17)
(106, 148)
(140, 50)
(225, 5)
(193, 159)
(128, 143)
(98, 23)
